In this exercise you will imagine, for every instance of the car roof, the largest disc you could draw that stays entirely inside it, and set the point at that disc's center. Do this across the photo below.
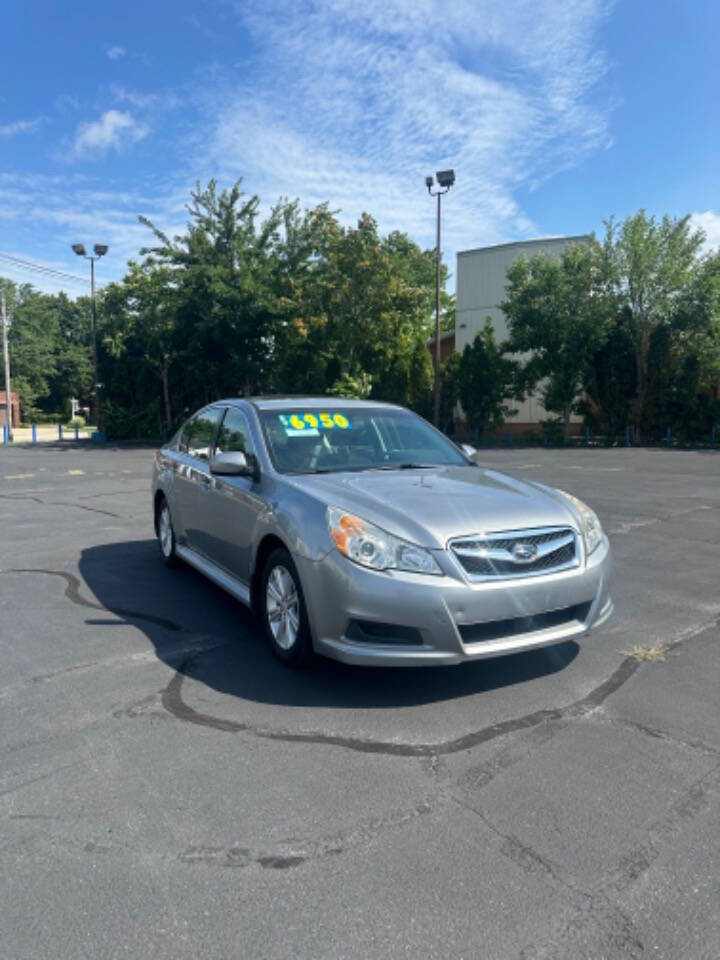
(302, 403)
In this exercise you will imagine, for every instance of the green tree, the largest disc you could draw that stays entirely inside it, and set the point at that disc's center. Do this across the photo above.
(558, 310)
(486, 382)
(140, 326)
(610, 380)
(224, 309)
(449, 391)
(33, 338)
(360, 305)
(650, 266)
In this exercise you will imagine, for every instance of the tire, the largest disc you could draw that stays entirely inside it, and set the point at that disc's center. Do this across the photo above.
(281, 596)
(166, 535)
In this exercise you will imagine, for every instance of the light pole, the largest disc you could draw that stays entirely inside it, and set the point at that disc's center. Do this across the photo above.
(6, 363)
(445, 179)
(99, 250)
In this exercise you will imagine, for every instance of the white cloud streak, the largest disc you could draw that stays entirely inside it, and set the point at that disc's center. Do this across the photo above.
(112, 130)
(356, 103)
(115, 53)
(20, 126)
(49, 213)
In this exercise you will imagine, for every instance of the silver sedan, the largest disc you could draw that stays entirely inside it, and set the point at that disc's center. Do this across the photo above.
(356, 530)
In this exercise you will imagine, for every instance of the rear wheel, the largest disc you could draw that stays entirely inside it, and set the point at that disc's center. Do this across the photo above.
(282, 607)
(166, 534)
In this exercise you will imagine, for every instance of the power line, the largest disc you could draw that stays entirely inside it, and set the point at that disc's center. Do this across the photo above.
(41, 269)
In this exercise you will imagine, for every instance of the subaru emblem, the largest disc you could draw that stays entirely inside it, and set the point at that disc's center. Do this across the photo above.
(524, 552)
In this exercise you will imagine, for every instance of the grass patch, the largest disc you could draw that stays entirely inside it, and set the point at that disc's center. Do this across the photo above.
(649, 652)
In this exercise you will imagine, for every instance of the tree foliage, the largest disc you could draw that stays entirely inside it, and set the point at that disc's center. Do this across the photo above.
(486, 380)
(651, 267)
(558, 312)
(296, 302)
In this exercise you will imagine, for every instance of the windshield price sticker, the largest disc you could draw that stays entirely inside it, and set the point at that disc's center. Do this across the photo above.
(310, 424)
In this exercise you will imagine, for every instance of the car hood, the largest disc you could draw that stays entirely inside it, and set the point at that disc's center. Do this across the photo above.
(431, 506)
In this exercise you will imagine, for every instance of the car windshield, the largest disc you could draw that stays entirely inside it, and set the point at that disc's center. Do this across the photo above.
(336, 438)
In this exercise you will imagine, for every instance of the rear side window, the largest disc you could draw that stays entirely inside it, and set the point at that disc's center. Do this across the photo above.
(198, 434)
(234, 434)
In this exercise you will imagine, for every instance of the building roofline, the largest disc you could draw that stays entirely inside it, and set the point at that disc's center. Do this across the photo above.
(444, 334)
(524, 243)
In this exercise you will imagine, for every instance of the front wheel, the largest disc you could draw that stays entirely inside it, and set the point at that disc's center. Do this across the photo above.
(283, 611)
(166, 535)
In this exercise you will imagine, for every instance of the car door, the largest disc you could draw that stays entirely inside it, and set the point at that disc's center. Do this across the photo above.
(233, 503)
(192, 476)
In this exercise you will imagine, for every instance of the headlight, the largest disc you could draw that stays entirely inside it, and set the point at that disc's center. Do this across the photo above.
(590, 524)
(368, 545)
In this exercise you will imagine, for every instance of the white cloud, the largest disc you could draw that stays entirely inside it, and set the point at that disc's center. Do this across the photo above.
(356, 103)
(45, 214)
(166, 100)
(115, 52)
(709, 223)
(19, 126)
(114, 129)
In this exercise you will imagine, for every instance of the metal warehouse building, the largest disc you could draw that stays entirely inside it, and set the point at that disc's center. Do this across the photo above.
(480, 289)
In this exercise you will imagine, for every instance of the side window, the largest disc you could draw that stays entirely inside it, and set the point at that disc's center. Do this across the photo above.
(234, 434)
(202, 431)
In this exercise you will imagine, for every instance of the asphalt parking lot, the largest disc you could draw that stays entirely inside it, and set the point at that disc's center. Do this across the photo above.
(168, 790)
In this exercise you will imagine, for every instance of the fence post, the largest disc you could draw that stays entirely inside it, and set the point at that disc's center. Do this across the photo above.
(587, 436)
(77, 432)
(33, 428)
(510, 437)
(712, 438)
(59, 431)
(5, 434)
(627, 436)
(668, 437)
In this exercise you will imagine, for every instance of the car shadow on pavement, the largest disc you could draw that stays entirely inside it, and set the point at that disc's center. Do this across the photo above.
(196, 627)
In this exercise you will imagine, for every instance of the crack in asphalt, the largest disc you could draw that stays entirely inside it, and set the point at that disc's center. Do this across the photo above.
(72, 592)
(173, 702)
(113, 493)
(57, 503)
(614, 927)
(590, 907)
(294, 852)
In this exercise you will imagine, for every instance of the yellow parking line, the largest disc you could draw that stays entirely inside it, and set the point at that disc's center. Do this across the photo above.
(19, 476)
(76, 473)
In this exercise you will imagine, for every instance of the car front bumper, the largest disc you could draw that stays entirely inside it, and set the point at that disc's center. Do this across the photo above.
(443, 609)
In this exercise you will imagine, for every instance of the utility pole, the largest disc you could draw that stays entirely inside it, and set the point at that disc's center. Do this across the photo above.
(6, 360)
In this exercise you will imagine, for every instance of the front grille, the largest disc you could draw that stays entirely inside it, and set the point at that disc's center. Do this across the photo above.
(517, 553)
(505, 629)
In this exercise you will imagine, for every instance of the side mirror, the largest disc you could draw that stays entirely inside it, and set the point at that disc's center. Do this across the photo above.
(234, 464)
(468, 450)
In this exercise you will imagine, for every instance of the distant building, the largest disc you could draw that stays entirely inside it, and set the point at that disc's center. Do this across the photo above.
(481, 288)
(14, 409)
(447, 345)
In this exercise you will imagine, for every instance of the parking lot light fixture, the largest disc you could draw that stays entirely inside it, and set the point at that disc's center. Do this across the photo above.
(99, 250)
(445, 179)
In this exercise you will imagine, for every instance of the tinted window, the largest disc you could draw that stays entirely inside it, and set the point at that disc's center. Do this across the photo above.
(357, 438)
(234, 434)
(201, 433)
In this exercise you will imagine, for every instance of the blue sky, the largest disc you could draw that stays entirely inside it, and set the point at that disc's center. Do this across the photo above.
(554, 114)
